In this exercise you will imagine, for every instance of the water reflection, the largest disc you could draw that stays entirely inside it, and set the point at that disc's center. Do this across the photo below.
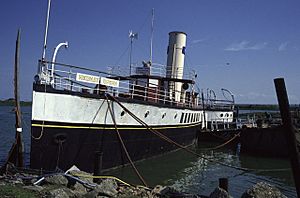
(195, 175)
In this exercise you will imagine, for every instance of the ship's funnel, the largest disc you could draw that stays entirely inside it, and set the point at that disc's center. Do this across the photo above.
(176, 53)
(175, 62)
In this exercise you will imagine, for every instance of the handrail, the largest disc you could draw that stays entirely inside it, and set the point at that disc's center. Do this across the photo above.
(65, 79)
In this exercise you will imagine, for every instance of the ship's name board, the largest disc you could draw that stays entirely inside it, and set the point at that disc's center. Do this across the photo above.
(87, 78)
(109, 82)
(96, 80)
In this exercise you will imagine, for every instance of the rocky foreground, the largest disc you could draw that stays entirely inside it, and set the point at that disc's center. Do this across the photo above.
(77, 183)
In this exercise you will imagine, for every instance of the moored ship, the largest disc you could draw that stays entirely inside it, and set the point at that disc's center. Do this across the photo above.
(78, 113)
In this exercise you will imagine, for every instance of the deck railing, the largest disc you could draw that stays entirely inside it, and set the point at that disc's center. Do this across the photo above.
(64, 78)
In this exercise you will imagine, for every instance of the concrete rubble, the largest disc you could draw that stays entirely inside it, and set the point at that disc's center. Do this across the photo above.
(263, 190)
(80, 184)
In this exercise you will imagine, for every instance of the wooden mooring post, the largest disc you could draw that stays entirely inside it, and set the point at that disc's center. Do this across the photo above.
(289, 130)
(19, 139)
(98, 165)
(15, 155)
(223, 183)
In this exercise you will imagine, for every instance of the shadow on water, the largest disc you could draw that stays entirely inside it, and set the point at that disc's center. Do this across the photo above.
(282, 179)
(195, 175)
(157, 170)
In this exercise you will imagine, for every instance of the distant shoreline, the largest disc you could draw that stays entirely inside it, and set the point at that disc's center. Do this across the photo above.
(257, 106)
(11, 102)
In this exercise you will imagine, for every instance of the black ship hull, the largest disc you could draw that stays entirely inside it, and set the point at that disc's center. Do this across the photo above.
(61, 145)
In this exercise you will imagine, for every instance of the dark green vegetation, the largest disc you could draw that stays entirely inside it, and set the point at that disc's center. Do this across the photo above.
(7, 190)
(257, 106)
(11, 102)
(274, 107)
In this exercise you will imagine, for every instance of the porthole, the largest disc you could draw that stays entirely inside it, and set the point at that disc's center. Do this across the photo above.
(221, 115)
(163, 115)
(146, 114)
(122, 113)
(227, 114)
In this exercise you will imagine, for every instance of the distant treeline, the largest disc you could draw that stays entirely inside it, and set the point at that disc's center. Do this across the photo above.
(262, 106)
(257, 106)
(11, 102)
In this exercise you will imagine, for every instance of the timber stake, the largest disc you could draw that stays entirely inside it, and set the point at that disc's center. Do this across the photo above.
(289, 130)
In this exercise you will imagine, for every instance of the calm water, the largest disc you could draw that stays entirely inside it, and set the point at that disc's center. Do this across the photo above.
(7, 131)
(179, 169)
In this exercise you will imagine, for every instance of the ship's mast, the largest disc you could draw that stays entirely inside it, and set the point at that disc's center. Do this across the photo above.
(132, 36)
(46, 31)
(151, 39)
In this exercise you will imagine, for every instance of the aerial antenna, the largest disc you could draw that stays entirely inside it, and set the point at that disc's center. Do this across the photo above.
(46, 30)
(131, 37)
(151, 39)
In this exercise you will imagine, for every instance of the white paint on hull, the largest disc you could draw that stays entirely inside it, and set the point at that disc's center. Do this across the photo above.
(75, 109)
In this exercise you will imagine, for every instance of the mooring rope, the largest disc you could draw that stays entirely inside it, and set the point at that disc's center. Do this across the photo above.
(124, 147)
(224, 144)
(159, 134)
(43, 122)
(32, 173)
(220, 137)
(101, 177)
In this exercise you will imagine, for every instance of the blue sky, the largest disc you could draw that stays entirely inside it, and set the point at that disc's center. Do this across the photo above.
(241, 45)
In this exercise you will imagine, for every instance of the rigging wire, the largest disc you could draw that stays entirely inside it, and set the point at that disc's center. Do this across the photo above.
(122, 55)
(145, 21)
(127, 48)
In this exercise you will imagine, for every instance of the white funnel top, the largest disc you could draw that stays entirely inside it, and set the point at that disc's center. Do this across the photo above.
(176, 53)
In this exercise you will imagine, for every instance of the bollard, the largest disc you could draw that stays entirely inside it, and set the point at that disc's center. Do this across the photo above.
(97, 165)
(223, 183)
